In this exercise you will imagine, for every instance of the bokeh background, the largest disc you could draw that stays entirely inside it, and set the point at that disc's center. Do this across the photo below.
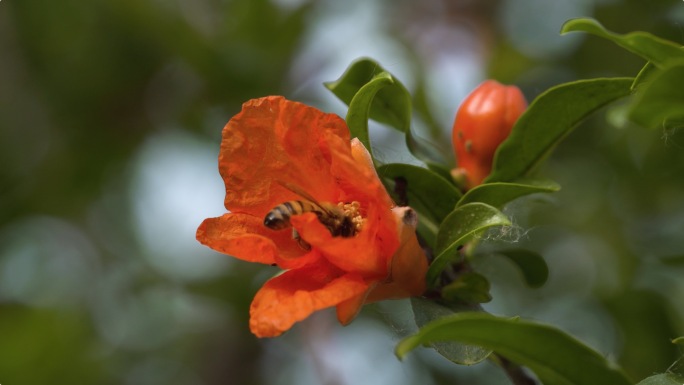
(110, 121)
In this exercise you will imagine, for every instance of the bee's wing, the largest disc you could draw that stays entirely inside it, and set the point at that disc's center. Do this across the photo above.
(295, 189)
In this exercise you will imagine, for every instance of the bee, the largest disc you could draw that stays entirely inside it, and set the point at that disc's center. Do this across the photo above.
(342, 219)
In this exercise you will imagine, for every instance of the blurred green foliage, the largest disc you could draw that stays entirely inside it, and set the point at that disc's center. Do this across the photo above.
(86, 88)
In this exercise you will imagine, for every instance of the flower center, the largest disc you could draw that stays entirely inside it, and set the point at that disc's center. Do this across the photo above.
(352, 211)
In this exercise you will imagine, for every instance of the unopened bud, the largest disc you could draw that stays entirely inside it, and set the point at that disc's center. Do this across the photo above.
(483, 121)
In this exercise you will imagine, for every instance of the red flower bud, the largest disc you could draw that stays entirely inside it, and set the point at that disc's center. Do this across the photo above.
(483, 121)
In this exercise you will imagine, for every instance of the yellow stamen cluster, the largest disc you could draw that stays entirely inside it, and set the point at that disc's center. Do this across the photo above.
(352, 210)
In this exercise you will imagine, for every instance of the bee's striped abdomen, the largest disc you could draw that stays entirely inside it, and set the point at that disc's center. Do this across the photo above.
(279, 217)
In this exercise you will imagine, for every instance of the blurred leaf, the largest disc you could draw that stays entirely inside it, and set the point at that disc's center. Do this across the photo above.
(469, 287)
(441, 170)
(646, 71)
(678, 341)
(423, 106)
(663, 379)
(659, 101)
(554, 356)
(428, 152)
(548, 120)
(426, 311)
(652, 48)
(498, 194)
(673, 260)
(643, 317)
(532, 265)
(39, 346)
(460, 226)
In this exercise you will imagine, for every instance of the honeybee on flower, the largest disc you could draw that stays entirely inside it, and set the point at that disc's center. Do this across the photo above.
(351, 246)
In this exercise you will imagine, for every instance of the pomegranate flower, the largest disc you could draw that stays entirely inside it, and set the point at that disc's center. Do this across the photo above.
(303, 196)
(483, 121)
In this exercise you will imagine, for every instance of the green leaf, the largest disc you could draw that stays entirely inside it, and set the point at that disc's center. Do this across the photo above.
(652, 48)
(426, 151)
(427, 311)
(498, 194)
(554, 356)
(646, 72)
(391, 106)
(460, 226)
(469, 287)
(663, 379)
(678, 341)
(427, 192)
(443, 171)
(660, 101)
(549, 119)
(388, 103)
(532, 265)
(432, 196)
(360, 107)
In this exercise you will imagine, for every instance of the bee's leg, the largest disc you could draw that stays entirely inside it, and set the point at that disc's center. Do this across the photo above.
(302, 243)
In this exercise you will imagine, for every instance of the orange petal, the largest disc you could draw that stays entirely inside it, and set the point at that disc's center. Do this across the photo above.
(245, 237)
(361, 156)
(359, 254)
(295, 294)
(366, 253)
(349, 309)
(408, 265)
(407, 269)
(356, 177)
(275, 140)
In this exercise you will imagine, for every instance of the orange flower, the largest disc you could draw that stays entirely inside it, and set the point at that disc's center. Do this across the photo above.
(483, 121)
(274, 144)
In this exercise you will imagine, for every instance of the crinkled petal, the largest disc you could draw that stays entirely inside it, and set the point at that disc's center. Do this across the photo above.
(295, 294)
(245, 237)
(368, 251)
(356, 177)
(274, 141)
(359, 254)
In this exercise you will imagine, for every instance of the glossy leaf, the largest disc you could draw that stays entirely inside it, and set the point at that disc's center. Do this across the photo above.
(432, 196)
(428, 193)
(549, 119)
(532, 265)
(360, 107)
(663, 379)
(554, 356)
(659, 101)
(425, 311)
(469, 287)
(499, 193)
(656, 50)
(460, 226)
(391, 106)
